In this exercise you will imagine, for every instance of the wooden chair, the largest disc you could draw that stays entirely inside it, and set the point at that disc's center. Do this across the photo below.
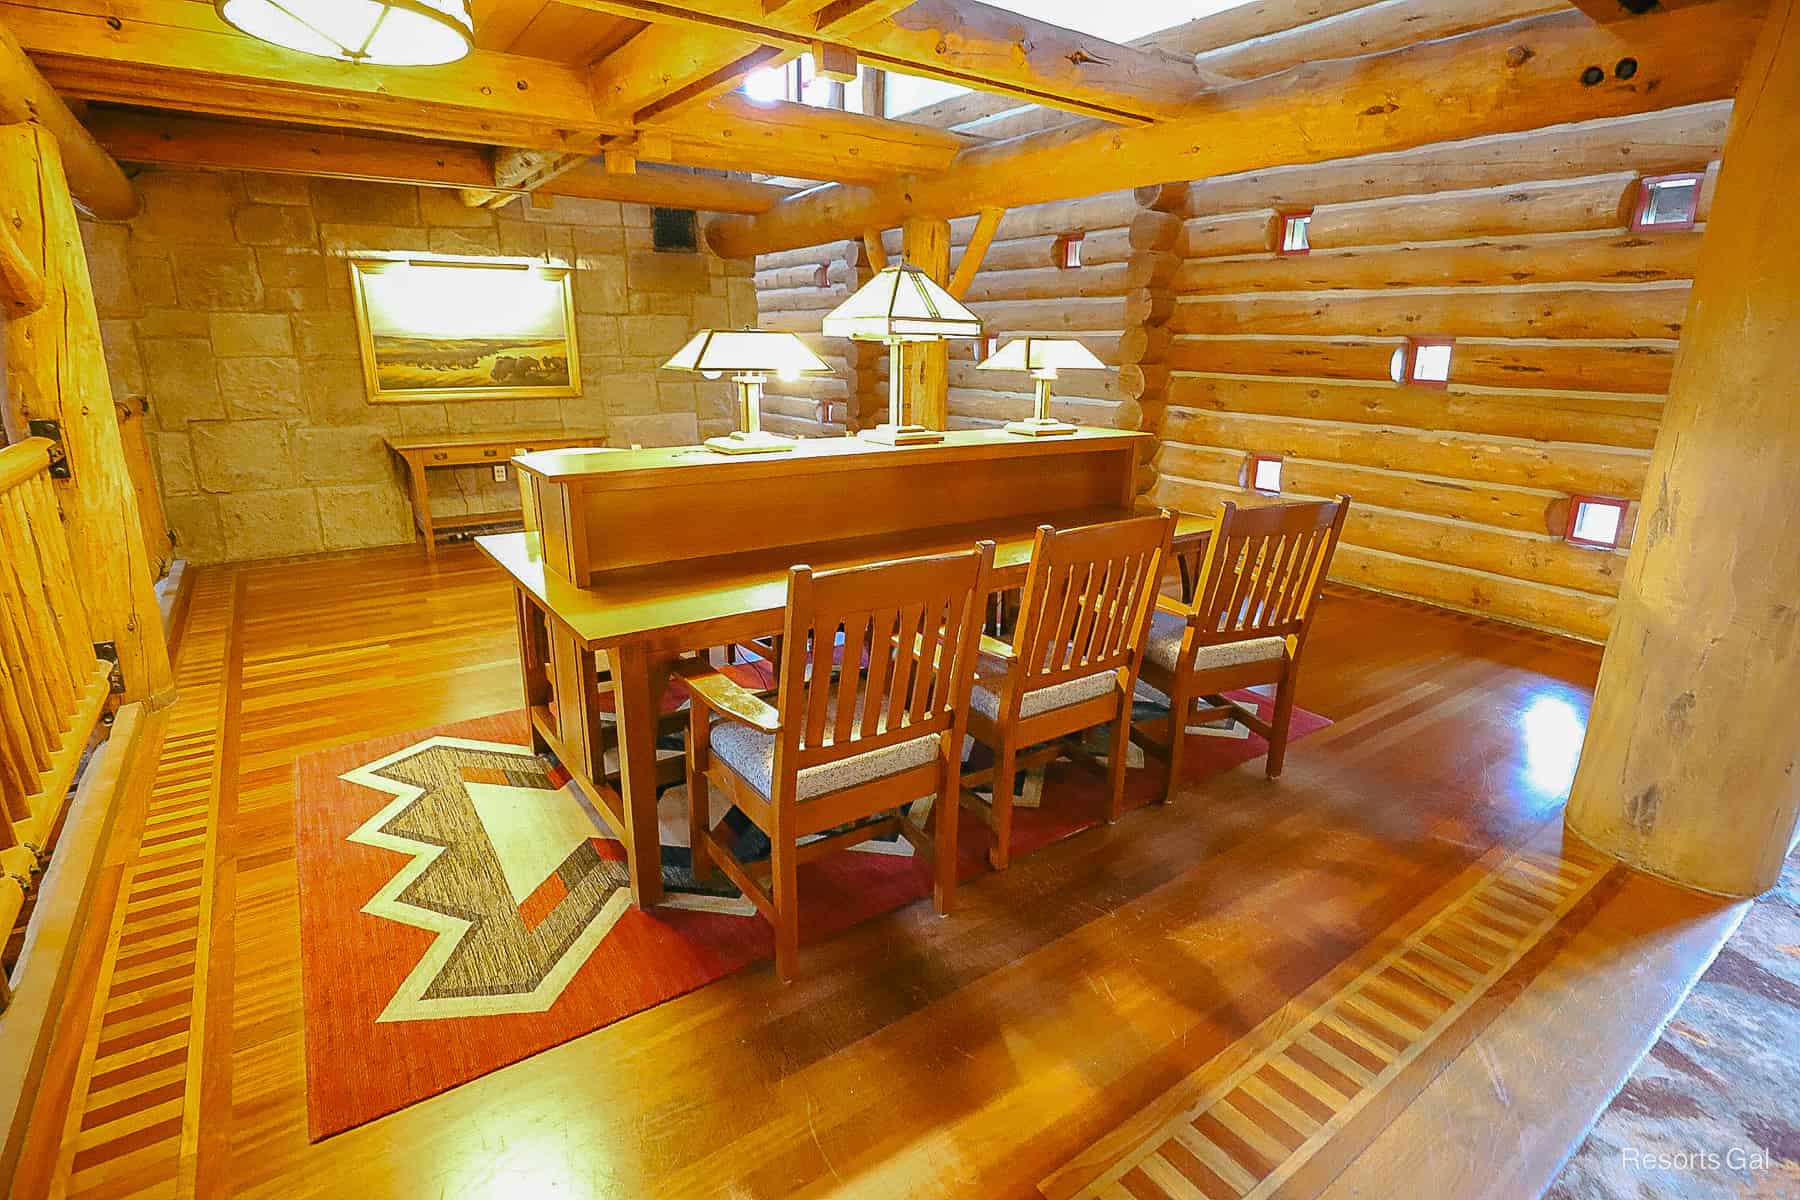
(841, 747)
(1073, 660)
(1257, 590)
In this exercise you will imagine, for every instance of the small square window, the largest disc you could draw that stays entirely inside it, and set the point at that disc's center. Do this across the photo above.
(1422, 361)
(990, 346)
(1068, 251)
(1668, 202)
(674, 229)
(1296, 233)
(1597, 521)
(1265, 473)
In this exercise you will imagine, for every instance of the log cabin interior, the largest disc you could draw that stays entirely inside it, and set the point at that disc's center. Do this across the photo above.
(775, 598)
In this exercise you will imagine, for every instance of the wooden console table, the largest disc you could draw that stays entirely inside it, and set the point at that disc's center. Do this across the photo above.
(645, 554)
(422, 455)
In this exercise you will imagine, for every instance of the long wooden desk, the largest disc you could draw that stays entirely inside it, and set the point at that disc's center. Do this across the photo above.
(421, 455)
(644, 614)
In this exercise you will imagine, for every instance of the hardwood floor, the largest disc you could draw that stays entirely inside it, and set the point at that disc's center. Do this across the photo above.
(1082, 993)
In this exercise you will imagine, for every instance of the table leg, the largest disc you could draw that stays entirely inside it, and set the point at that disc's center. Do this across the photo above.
(639, 677)
(534, 661)
(421, 500)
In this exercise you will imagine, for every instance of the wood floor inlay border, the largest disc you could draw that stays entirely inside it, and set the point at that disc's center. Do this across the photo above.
(1252, 1130)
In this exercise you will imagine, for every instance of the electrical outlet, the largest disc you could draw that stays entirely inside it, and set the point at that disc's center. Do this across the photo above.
(499, 472)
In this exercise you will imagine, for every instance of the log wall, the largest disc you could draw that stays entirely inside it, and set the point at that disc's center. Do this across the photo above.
(1517, 246)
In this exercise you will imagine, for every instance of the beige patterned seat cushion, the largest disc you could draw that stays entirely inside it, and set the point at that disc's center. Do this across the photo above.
(986, 701)
(751, 753)
(1164, 647)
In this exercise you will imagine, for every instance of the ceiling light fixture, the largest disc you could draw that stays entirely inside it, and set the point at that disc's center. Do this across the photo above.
(398, 33)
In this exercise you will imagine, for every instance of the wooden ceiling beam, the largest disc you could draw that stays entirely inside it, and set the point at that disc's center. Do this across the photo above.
(95, 179)
(1518, 76)
(177, 54)
(960, 41)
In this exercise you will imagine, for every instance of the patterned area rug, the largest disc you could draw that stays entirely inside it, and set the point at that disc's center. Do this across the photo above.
(1713, 1111)
(463, 908)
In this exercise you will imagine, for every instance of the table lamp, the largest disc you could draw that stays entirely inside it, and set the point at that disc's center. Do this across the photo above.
(1043, 357)
(749, 356)
(901, 304)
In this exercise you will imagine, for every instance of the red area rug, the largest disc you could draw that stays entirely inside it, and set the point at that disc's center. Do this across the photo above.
(462, 910)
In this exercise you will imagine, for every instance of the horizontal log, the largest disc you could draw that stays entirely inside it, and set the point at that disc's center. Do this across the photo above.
(1649, 311)
(1246, 22)
(1027, 253)
(1082, 314)
(1684, 138)
(1534, 556)
(1572, 469)
(849, 250)
(789, 426)
(1012, 406)
(805, 275)
(1053, 283)
(1605, 421)
(1230, 233)
(1562, 610)
(1641, 368)
(796, 299)
(1494, 504)
(1094, 385)
(1554, 206)
(1606, 257)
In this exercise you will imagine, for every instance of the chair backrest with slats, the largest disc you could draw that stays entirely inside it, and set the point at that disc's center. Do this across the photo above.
(920, 619)
(1264, 567)
(1088, 598)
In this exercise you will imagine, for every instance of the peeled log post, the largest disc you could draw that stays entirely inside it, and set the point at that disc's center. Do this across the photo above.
(1496, 80)
(927, 246)
(95, 179)
(1689, 767)
(56, 370)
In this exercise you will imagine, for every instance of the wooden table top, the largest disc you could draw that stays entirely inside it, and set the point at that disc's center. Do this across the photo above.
(703, 602)
(661, 465)
(444, 441)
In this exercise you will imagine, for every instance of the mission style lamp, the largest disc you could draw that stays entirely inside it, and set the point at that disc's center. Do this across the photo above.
(749, 356)
(901, 304)
(1043, 357)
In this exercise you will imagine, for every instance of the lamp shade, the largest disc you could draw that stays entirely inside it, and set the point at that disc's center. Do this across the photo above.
(1042, 354)
(401, 33)
(901, 304)
(745, 351)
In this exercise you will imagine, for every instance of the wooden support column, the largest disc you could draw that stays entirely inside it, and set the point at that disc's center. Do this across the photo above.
(925, 243)
(1691, 768)
(98, 183)
(56, 370)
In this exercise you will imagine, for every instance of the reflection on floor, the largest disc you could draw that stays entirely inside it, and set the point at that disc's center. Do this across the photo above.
(973, 1056)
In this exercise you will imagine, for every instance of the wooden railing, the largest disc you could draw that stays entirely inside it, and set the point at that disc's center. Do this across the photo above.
(53, 683)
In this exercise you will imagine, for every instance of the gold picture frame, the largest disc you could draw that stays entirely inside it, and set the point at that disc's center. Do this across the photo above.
(434, 330)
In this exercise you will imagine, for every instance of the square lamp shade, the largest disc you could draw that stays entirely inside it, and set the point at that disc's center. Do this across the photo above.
(901, 304)
(1043, 358)
(748, 356)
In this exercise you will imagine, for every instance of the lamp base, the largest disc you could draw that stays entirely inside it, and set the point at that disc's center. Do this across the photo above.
(901, 435)
(739, 442)
(1039, 427)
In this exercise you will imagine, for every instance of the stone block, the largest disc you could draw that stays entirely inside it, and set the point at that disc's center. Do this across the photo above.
(274, 225)
(711, 312)
(358, 202)
(314, 299)
(235, 334)
(444, 207)
(153, 280)
(174, 323)
(185, 206)
(464, 241)
(573, 210)
(665, 304)
(270, 524)
(345, 454)
(199, 537)
(422, 418)
(366, 514)
(518, 240)
(373, 239)
(584, 415)
(595, 337)
(629, 393)
(740, 300)
(663, 429)
(660, 271)
(183, 382)
(481, 416)
(124, 363)
(109, 268)
(277, 189)
(654, 336)
(635, 216)
(540, 413)
(327, 335)
(291, 267)
(592, 244)
(676, 397)
(174, 463)
(334, 391)
(261, 387)
(241, 456)
(215, 277)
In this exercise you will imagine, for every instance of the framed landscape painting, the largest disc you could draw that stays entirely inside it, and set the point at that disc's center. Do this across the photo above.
(435, 331)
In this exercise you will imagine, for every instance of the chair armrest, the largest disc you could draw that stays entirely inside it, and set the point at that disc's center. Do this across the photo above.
(1173, 606)
(995, 648)
(725, 696)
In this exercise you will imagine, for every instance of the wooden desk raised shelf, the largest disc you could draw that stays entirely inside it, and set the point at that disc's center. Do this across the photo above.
(425, 454)
(644, 554)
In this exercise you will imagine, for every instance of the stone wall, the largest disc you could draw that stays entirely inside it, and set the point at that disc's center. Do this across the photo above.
(227, 303)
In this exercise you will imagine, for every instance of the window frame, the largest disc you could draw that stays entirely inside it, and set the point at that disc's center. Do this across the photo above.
(1647, 188)
(1409, 362)
(1064, 244)
(1250, 474)
(1619, 534)
(1283, 222)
